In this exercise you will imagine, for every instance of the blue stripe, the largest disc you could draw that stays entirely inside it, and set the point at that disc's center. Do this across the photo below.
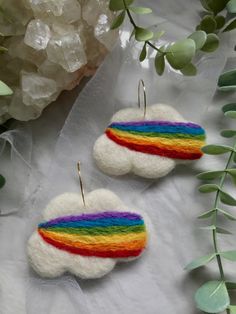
(95, 223)
(159, 129)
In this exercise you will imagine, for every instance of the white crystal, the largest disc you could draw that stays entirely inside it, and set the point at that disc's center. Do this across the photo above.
(38, 90)
(68, 51)
(37, 35)
(52, 45)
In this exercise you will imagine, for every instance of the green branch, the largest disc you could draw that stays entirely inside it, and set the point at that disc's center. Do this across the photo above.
(178, 55)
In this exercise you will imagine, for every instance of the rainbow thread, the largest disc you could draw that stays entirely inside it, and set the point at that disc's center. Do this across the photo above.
(105, 234)
(177, 140)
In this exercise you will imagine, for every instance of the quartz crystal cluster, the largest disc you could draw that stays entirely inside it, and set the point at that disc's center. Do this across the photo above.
(51, 44)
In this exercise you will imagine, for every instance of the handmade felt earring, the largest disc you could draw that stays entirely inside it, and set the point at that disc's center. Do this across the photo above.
(149, 142)
(87, 236)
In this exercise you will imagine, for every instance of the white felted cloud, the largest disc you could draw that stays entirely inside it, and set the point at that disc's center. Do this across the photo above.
(49, 261)
(115, 159)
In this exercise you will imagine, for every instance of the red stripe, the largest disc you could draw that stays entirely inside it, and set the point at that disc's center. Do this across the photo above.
(149, 149)
(86, 252)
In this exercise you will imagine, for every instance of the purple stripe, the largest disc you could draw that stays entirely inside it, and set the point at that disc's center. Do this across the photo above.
(162, 123)
(131, 216)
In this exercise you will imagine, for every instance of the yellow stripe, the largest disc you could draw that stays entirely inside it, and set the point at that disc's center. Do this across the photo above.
(96, 239)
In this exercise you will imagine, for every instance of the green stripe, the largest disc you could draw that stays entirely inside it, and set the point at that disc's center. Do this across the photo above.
(100, 230)
(166, 135)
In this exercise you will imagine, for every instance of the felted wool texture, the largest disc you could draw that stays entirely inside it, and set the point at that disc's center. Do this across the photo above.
(49, 261)
(113, 158)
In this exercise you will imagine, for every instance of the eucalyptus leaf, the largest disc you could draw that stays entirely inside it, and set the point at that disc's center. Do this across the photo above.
(143, 34)
(189, 70)
(216, 6)
(199, 38)
(140, 10)
(200, 262)
(212, 43)
(208, 188)
(5, 90)
(228, 133)
(216, 149)
(212, 297)
(181, 53)
(3, 49)
(231, 114)
(143, 53)
(227, 88)
(230, 26)
(2, 181)
(117, 5)
(206, 214)
(220, 21)
(230, 285)
(229, 107)
(231, 6)
(210, 175)
(227, 199)
(222, 231)
(208, 24)
(118, 20)
(227, 215)
(160, 63)
(229, 255)
(232, 173)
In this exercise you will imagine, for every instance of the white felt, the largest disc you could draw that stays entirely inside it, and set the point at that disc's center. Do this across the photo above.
(51, 262)
(115, 159)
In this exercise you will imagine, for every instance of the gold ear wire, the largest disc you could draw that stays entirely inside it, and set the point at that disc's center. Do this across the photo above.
(141, 83)
(81, 183)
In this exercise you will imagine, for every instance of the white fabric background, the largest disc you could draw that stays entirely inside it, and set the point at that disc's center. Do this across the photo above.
(41, 163)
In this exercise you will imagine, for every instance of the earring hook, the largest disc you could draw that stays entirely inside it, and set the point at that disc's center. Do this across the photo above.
(81, 182)
(141, 84)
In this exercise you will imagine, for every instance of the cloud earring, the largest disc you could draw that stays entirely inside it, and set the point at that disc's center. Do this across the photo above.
(148, 142)
(87, 236)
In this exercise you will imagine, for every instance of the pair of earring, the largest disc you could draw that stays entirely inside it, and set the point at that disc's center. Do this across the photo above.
(88, 236)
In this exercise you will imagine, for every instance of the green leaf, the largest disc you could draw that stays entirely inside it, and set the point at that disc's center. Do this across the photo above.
(160, 63)
(231, 285)
(212, 227)
(2, 181)
(222, 231)
(5, 90)
(228, 79)
(200, 262)
(220, 21)
(208, 24)
(3, 49)
(232, 173)
(216, 149)
(189, 70)
(230, 26)
(231, 6)
(118, 20)
(142, 34)
(231, 114)
(158, 35)
(205, 4)
(208, 188)
(143, 53)
(229, 255)
(140, 10)
(117, 5)
(181, 53)
(229, 107)
(210, 175)
(207, 214)
(228, 133)
(227, 215)
(216, 6)
(199, 38)
(232, 309)
(234, 157)
(212, 297)
(227, 199)
(212, 43)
